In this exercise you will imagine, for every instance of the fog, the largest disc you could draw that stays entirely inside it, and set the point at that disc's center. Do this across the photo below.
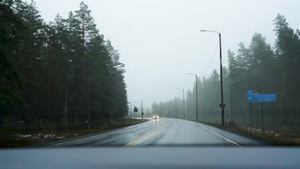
(160, 41)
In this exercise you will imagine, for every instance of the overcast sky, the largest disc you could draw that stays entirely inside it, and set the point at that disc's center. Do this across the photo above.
(159, 41)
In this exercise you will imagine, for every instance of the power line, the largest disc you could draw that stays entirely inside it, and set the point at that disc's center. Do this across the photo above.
(267, 68)
(210, 60)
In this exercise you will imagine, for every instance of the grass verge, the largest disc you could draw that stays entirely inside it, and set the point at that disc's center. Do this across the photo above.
(278, 138)
(15, 138)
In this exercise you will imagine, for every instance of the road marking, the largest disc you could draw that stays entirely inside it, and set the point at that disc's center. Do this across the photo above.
(72, 141)
(227, 139)
(146, 136)
(108, 132)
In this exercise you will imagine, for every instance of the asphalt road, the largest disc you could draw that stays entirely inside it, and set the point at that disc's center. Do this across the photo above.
(165, 131)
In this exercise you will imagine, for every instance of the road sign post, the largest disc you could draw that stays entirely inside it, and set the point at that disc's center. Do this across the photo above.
(253, 96)
(262, 118)
(273, 128)
(250, 118)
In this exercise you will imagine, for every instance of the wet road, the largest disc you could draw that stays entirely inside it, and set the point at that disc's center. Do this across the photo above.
(165, 131)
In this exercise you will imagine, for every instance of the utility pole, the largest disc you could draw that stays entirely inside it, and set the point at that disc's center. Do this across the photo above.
(197, 107)
(222, 105)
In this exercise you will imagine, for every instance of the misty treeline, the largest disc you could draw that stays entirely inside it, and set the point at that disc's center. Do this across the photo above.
(261, 67)
(61, 73)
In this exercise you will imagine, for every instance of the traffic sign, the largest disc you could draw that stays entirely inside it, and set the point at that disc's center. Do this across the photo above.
(184, 112)
(253, 96)
(267, 97)
(135, 109)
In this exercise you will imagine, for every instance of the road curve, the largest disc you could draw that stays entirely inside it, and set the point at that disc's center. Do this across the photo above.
(165, 131)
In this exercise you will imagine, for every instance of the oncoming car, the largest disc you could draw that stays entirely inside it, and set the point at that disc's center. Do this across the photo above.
(155, 116)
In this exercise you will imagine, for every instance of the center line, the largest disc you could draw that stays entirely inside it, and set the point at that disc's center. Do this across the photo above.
(146, 136)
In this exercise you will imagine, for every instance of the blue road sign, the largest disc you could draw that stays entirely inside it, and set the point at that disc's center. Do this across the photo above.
(267, 97)
(254, 97)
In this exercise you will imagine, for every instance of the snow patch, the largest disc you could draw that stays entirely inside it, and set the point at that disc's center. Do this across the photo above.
(24, 135)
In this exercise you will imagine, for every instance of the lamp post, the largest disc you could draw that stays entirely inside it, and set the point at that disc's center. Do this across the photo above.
(222, 105)
(197, 107)
(183, 102)
(142, 113)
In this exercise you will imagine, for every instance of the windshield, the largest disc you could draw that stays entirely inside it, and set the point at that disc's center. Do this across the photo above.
(149, 73)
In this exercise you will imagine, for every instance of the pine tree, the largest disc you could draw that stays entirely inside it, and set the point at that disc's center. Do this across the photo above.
(11, 30)
(288, 55)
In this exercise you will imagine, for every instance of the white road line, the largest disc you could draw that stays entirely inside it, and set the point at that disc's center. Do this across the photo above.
(227, 139)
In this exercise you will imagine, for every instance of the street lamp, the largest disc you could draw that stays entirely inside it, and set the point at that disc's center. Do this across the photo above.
(142, 113)
(222, 105)
(197, 107)
(183, 101)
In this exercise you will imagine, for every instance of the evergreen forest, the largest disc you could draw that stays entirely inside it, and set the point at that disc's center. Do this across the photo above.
(58, 74)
